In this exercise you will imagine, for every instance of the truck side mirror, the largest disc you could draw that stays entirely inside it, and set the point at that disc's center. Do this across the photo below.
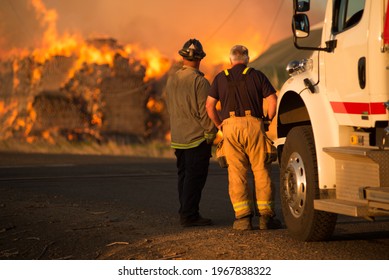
(301, 5)
(300, 25)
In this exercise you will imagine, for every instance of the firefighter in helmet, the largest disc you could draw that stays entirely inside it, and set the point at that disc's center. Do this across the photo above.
(192, 131)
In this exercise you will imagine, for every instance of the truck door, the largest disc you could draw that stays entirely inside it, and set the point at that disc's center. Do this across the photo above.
(345, 68)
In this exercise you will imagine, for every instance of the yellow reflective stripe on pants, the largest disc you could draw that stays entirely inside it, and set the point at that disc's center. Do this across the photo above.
(264, 206)
(243, 206)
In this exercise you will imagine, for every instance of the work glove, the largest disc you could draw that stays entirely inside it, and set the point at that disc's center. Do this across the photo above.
(209, 137)
(266, 123)
(270, 151)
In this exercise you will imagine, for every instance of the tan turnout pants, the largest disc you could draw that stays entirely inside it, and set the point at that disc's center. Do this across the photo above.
(244, 146)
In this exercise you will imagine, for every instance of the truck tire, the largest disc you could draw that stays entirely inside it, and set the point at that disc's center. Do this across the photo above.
(299, 188)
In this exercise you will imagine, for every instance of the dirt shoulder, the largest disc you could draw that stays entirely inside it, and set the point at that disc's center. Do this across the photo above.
(43, 227)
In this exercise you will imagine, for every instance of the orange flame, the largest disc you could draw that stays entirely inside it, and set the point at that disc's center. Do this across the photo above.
(155, 106)
(9, 115)
(10, 112)
(156, 64)
(72, 45)
(48, 137)
(15, 68)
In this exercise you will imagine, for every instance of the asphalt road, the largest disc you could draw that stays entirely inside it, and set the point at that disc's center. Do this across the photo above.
(144, 187)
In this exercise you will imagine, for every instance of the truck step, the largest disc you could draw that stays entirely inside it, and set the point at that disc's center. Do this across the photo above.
(366, 208)
(344, 207)
(377, 195)
(359, 167)
(349, 150)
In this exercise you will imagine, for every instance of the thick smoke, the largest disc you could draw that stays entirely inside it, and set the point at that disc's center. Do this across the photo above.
(164, 25)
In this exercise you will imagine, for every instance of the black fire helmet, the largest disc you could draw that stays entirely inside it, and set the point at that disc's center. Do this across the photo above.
(192, 50)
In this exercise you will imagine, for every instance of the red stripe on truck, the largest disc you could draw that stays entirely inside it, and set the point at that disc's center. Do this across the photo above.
(376, 108)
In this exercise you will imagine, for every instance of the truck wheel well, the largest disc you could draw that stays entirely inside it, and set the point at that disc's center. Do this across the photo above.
(292, 112)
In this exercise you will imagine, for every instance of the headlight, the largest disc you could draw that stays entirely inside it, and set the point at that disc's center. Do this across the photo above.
(297, 67)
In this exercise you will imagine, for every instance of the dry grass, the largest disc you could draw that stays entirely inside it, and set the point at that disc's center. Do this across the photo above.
(62, 146)
(151, 149)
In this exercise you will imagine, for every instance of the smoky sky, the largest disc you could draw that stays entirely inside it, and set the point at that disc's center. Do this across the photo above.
(164, 25)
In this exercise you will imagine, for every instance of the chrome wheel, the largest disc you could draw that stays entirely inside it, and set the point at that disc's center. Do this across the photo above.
(295, 184)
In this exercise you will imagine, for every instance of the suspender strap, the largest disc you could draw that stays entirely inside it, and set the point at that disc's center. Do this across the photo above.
(240, 98)
(246, 70)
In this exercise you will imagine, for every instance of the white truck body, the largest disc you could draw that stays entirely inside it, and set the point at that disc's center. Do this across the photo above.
(333, 120)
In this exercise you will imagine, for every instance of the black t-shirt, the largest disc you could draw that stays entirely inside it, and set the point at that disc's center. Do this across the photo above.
(257, 87)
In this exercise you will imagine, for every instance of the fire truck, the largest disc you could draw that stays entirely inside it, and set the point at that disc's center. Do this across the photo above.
(333, 120)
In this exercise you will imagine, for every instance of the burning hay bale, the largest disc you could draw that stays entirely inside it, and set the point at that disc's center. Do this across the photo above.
(56, 111)
(124, 97)
(91, 89)
(101, 100)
